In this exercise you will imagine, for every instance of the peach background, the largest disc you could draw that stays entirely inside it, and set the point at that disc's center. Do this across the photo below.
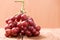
(45, 13)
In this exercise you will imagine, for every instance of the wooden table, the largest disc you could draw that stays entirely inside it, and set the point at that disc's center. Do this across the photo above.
(46, 34)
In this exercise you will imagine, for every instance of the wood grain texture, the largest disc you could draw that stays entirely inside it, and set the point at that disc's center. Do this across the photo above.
(46, 34)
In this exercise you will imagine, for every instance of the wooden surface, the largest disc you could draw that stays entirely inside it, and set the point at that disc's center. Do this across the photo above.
(46, 34)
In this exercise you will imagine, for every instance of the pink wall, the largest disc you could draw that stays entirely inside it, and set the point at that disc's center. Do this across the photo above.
(44, 12)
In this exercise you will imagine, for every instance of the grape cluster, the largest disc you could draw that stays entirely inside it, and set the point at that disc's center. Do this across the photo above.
(21, 24)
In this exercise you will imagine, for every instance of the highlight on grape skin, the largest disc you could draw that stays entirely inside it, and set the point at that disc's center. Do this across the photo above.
(21, 24)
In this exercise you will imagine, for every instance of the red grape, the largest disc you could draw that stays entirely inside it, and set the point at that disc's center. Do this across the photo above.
(7, 27)
(15, 23)
(30, 28)
(22, 32)
(36, 33)
(34, 30)
(22, 27)
(15, 30)
(18, 29)
(13, 18)
(23, 17)
(24, 23)
(8, 32)
(7, 35)
(37, 28)
(7, 20)
(11, 25)
(10, 21)
(28, 33)
(29, 18)
(19, 24)
(31, 22)
(18, 17)
(25, 28)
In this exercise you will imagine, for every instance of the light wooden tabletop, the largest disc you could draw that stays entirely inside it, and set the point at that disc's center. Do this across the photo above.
(46, 34)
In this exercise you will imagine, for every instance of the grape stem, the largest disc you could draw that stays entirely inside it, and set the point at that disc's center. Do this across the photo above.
(22, 9)
(22, 37)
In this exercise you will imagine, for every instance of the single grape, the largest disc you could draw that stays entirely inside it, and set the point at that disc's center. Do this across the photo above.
(18, 17)
(30, 28)
(31, 23)
(23, 17)
(8, 32)
(37, 28)
(36, 33)
(22, 27)
(11, 25)
(18, 29)
(28, 33)
(7, 27)
(13, 18)
(24, 23)
(33, 31)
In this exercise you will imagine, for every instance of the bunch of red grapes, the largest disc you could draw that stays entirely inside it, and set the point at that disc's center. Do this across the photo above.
(21, 24)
